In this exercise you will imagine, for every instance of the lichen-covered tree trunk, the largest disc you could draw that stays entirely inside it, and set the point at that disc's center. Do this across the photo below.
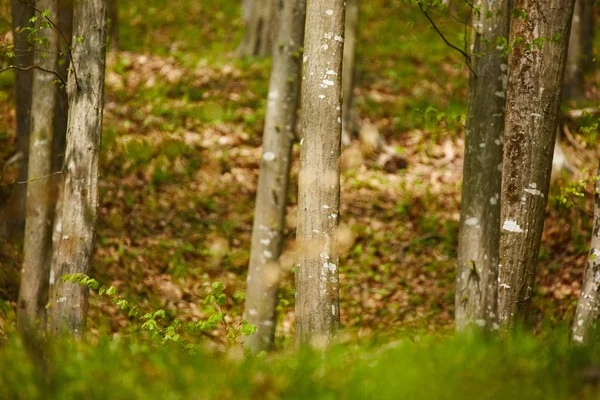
(271, 196)
(12, 218)
(479, 234)
(258, 38)
(351, 34)
(317, 260)
(68, 302)
(585, 324)
(539, 36)
(33, 293)
(574, 71)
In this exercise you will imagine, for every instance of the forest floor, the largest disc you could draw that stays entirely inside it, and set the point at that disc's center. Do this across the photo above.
(180, 157)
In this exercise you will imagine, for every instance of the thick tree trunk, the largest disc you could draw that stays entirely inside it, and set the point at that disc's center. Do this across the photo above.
(351, 34)
(574, 71)
(271, 196)
(585, 324)
(317, 263)
(68, 303)
(12, 218)
(479, 235)
(33, 294)
(258, 39)
(536, 67)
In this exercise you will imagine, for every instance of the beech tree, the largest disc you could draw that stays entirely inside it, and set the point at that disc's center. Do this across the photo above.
(350, 37)
(271, 196)
(260, 23)
(68, 302)
(585, 324)
(37, 248)
(539, 35)
(479, 233)
(12, 218)
(317, 263)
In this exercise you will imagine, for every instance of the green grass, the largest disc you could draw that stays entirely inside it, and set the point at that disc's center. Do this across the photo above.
(520, 367)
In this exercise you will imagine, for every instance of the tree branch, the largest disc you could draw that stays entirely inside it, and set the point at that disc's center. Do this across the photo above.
(465, 55)
(35, 67)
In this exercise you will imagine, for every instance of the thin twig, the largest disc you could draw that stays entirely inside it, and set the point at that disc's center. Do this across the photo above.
(465, 55)
(35, 67)
(38, 178)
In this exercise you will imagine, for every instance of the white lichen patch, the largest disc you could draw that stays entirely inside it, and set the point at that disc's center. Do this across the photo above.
(328, 35)
(532, 190)
(473, 221)
(328, 82)
(480, 322)
(265, 241)
(267, 254)
(504, 285)
(338, 38)
(511, 226)
(321, 96)
(578, 338)
(268, 156)
(329, 12)
(331, 72)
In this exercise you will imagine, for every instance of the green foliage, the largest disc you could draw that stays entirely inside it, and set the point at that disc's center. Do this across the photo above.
(159, 326)
(519, 367)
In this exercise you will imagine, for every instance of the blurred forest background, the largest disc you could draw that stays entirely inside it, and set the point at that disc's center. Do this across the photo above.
(181, 148)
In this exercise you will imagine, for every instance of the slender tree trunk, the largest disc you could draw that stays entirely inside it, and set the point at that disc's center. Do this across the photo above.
(317, 263)
(65, 24)
(113, 25)
(33, 294)
(585, 324)
(68, 303)
(536, 68)
(258, 39)
(12, 219)
(574, 71)
(271, 197)
(479, 235)
(588, 35)
(351, 34)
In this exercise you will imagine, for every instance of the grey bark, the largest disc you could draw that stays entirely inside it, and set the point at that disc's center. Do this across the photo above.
(574, 72)
(479, 233)
(12, 218)
(33, 294)
(585, 324)
(68, 302)
(271, 196)
(533, 101)
(258, 38)
(246, 10)
(317, 262)
(350, 37)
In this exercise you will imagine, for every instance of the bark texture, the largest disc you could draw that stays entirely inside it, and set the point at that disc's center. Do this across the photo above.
(479, 234)
(348, 74)
(271, 196)
(258, 39)
(33, 294)
(539, 35)
(12, 218)
(65, 24)
(317, 285)
(585, 324)
(68, 306)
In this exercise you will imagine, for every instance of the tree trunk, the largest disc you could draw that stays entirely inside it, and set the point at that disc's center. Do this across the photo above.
(588, 35)
(258, 39)
(585, 324)
(33, 294)
(271, 197)
(113, 25)
(317, 287)
(573, 88)
(351, 34)
(12, 219)
(479, 234)
(68, 305)
(246, 10)
(536, 69)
